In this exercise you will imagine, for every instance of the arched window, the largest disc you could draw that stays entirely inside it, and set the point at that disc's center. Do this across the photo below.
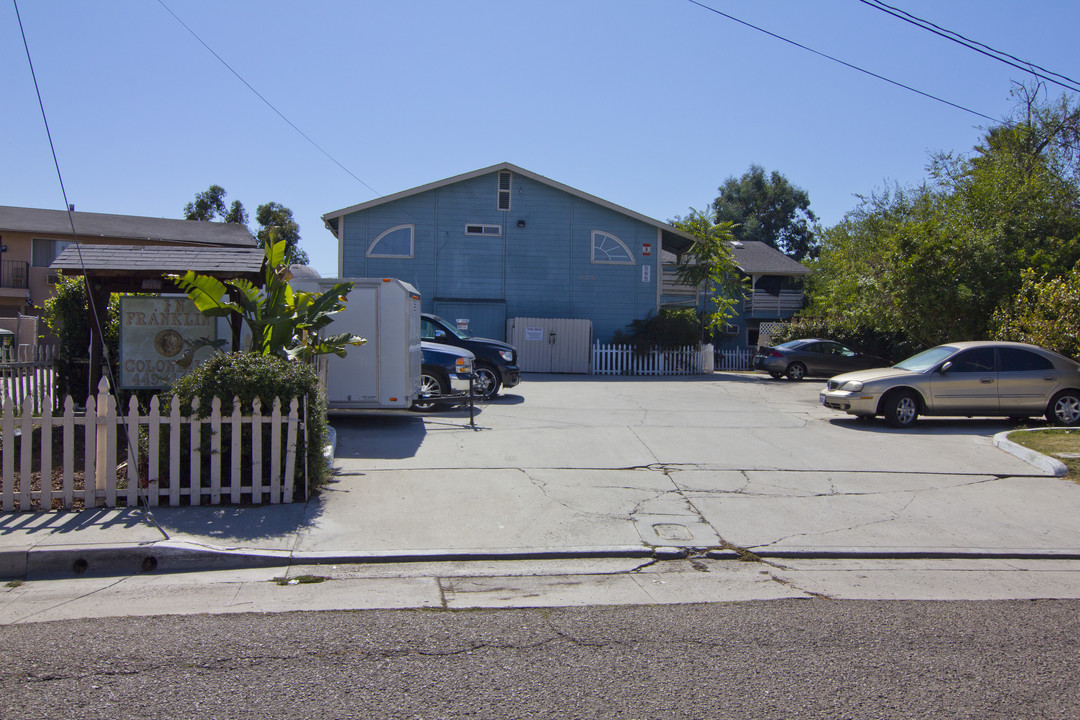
(397, 242)
(610, 250)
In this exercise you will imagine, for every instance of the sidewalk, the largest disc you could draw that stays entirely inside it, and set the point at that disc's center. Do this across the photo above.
(635, 470)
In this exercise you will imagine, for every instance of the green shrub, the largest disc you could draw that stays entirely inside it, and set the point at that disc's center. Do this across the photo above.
(671, 328)
(1045, 312)
(65, 313)
(248, 376)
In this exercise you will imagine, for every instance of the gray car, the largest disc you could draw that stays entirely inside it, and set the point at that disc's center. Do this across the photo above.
(812, 357)
(964, 379)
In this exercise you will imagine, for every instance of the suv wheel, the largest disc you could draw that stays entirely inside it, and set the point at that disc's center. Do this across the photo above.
(486, 382)
(430, 384)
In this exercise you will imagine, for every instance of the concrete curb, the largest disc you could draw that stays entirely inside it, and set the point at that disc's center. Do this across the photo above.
(177, 556)
(1044, 463)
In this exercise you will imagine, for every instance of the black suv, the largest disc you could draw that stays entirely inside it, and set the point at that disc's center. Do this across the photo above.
(496, 362)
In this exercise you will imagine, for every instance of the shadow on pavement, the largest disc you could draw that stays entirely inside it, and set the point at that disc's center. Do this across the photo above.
(65, 522)
(936, 426)
(244, 524)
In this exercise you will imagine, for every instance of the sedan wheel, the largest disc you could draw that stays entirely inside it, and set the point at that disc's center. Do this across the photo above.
(796, 371)
(901, 409)
(1064, 409)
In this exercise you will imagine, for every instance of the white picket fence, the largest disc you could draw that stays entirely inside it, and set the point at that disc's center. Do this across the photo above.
(255, 474)
(623, 360)
(28, 371)
(734, 360)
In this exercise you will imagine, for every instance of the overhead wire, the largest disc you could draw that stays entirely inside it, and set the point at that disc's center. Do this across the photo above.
(110, 371)
(843, 62)
(982, 48)
(265, 101)
(290, 123)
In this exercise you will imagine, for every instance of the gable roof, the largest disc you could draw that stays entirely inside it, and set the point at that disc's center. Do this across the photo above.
(757, 258)
(672, 236)
(128, 227)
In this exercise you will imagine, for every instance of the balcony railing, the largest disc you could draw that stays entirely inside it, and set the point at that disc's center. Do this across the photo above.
(766, 305)
(13, 274)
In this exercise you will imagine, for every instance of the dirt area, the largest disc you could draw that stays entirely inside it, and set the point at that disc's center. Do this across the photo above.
(57, 474)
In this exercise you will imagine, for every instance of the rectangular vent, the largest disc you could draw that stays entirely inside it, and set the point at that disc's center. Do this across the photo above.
(504, 190)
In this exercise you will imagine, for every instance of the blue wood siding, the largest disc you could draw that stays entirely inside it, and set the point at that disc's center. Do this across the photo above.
(541, 269)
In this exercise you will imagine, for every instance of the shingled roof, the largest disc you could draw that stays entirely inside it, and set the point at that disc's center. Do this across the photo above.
(757, 258)
(90, 226)
(131, 259)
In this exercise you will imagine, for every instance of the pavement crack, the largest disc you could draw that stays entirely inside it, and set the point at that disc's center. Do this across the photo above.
(895, 515)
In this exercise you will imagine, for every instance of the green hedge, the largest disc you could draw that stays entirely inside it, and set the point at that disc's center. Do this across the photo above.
(247, 376)
(670, 328)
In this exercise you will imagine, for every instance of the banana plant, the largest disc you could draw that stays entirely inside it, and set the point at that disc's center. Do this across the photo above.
(282, 321)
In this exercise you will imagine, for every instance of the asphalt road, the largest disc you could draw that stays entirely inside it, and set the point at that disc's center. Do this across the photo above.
(782, 659)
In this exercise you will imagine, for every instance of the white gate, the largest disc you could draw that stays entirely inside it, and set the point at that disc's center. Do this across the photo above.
(556, 345)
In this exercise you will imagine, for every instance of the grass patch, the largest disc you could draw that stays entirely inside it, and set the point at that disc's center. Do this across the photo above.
(1057, 443)
(14, 584)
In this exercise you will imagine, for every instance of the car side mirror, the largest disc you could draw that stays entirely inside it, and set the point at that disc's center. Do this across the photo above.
(946, 368)
(440, 334)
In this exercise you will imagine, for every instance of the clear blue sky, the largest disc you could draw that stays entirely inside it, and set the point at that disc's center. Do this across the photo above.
(650, 104)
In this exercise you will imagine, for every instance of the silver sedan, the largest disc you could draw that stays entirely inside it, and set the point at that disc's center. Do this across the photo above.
(964, 379)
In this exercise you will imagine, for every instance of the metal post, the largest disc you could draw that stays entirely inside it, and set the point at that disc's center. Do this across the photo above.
(472, 406)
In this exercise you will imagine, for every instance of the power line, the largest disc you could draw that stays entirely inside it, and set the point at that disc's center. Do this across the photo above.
(265, 101)
(999, 55)
(110, 371)
(844, 63)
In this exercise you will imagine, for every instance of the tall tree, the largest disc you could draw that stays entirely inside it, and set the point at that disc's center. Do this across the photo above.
(768, 209)
(275, 216)
(709, 265)
(936, 261)
(210, 205)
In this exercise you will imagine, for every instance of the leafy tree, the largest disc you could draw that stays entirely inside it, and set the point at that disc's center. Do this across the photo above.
(670, 328)
(209, 205)
(276, 217)
(1045, 312)
(710, 265)
(768, 209)
(283, 322)
(934, 262)
(67, 317)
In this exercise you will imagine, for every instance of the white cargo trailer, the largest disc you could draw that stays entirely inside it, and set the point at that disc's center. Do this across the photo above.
(384, 372)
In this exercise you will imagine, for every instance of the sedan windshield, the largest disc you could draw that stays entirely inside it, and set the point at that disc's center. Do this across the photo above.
(926, 359)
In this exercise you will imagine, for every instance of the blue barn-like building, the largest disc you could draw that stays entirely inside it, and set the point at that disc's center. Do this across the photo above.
(503, 242)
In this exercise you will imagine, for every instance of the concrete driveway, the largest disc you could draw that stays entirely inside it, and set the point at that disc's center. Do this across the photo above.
(729, 461)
